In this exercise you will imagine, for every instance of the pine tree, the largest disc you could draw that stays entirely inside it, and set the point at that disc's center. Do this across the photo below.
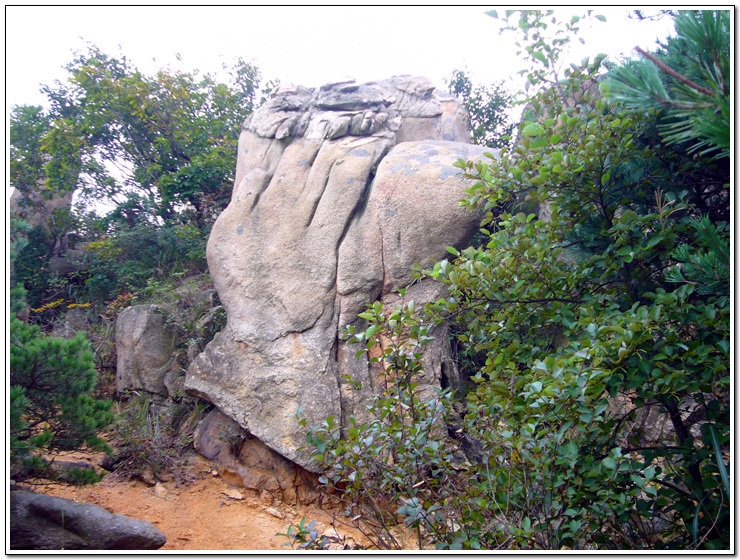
(689, 80)
(52, 406)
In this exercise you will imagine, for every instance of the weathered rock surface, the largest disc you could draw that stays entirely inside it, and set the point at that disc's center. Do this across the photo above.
(244, 460)
(338, 191)
(144, 346)
(39, 522)
(75, 321)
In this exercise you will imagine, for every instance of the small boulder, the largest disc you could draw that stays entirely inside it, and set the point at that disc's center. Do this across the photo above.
(39, 522)
(144, 344)
(245, 461)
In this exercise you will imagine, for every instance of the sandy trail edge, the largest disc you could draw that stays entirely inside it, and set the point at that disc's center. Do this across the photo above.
(199, 515)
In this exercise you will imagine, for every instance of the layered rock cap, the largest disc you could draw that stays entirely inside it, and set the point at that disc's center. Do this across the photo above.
(339, 190)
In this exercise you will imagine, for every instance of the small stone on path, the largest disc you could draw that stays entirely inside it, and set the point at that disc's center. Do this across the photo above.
(274, 513)
(233, 494)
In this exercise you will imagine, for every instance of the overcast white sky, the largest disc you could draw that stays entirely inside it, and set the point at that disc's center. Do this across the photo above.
(303, 45)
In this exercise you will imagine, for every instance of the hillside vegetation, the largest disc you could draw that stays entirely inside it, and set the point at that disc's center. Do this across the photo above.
(591, 314)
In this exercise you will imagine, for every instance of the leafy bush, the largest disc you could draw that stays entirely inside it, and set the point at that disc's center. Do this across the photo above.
(81, 477)
(306, 536)
(401, 464)
(618, 275)
(171, 137)
(31, 266)
(128, 260)
(487, 109)
(606, 316)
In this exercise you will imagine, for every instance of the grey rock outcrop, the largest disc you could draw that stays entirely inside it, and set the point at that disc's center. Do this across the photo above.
(144, 347)
(39, 522)
(338, 192)
(243, 460)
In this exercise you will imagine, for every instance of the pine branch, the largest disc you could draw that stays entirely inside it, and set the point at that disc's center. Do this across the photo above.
(670, 71)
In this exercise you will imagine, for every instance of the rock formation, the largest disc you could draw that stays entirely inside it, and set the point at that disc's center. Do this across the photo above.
(38, 206)
(243, 460)
(39, 522)
(151, 351)
(145, 351)
(338, 192)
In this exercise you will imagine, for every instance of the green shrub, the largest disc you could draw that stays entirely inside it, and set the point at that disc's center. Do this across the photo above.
(81, 477)
(32, 266)
(612, 310)
(305, 536)
(130, 259)
(401, 465)
(51, 402)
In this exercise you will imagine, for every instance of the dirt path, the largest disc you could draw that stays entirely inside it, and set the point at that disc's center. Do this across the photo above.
(205, 514)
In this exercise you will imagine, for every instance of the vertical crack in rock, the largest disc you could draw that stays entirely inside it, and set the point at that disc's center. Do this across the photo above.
(317, 199)
(367, 176)
(338, 192)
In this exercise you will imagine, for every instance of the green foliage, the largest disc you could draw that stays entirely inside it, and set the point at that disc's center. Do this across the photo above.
(542, 39)
(172, 136)
(705, 265)
(81, 477)
(161, 149)
(557, 365)
(305, 536)
(689, 80)
(599, 322)
(28, 125)
(17, 297)
(487, 108)
(131, 258)
(18, 241)
(51, 402)
(18, 232)
(31, 266)
(580, 307)
(401, 464)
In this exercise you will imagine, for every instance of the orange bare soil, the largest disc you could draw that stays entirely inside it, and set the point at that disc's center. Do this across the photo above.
(205, 513)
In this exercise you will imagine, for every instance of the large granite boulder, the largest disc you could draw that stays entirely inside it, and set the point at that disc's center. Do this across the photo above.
(39, 522)
(338, 192)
